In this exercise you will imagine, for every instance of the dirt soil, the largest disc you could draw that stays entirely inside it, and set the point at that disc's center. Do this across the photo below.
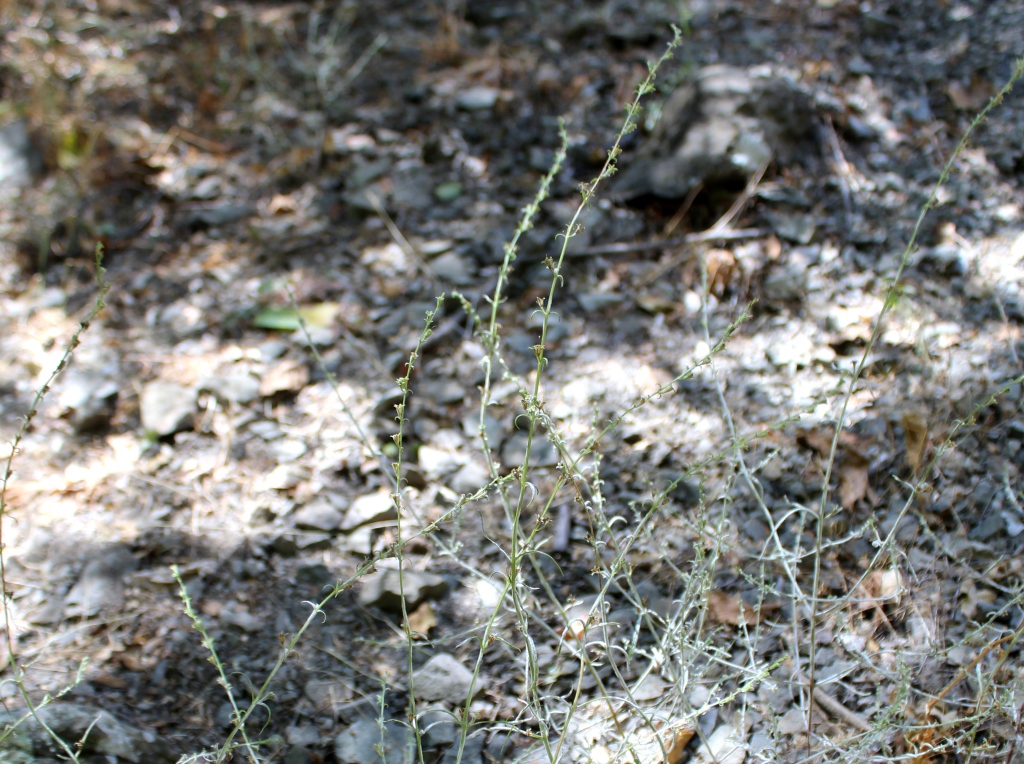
(237, 158)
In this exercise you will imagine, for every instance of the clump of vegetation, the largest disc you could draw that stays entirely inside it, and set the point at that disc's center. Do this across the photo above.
(707, 650)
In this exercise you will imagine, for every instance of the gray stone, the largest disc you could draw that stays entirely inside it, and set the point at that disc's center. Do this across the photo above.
(861, 129)
(103, 735)
(312, 540)
(272, 349)
(207, 188)
(593, 302)
(444, 678)
(946, 259)
(759, 741)
(326, 694)
(725, 746)
(289, 449)
(918, 109)
(619, 623)
(492, 428)
(283, 544)
(786, 283)
(384, 406)
(314, 574)
(540, 159)
(835, 670)
(234, 614)
(218, 215)
(266, 430)
(989, 528)
(304, 735)
(877, 25)
(858, 65)
(777, 694)
(20, 162)
(356, 745)
(477, 98)
(792, 722)
(470, 478)
(317, 516)
(798, 229)
(358, 542)
(362, 201)
(17, 749)
(412, 188)
(756, 529)
(285, 477)
(542, 453)
(437, 728)
(225, 714)
(792, 351)
(437, 462)
(236, 388)
(363, 173)
(298, 755)
(166, 408)
(721, 126)
(453, 268)
(653, 687)
(372, 508)
(384, 589)
(472, 751)
(907, 528)
(100, 587)
(88, 399)
(501, 747)
(49, 612)
(982, 493)
(443, 391)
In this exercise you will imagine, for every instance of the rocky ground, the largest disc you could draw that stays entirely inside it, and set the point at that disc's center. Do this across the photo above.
(237, 161)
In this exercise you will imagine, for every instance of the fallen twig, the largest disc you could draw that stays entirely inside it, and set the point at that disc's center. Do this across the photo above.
(837, 709)
(628, 247)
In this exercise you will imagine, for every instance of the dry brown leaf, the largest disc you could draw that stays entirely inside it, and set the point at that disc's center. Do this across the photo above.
(729, 608)
(890, 585)
(5, 655)
(820, 440)
(292, 163)
(209, 101)
(681, 735)
(131, 659)
(974, 599)
(287, 376)
(970, 97)
(422, 619)
(282, 204)
(654, 304)
(725, 608)
(853, 479)
(109, 680)
(922, 739)
(915, 430)
(816, 440)
(444, 48)
(869, 593)
(722, 270)
(673, 736)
